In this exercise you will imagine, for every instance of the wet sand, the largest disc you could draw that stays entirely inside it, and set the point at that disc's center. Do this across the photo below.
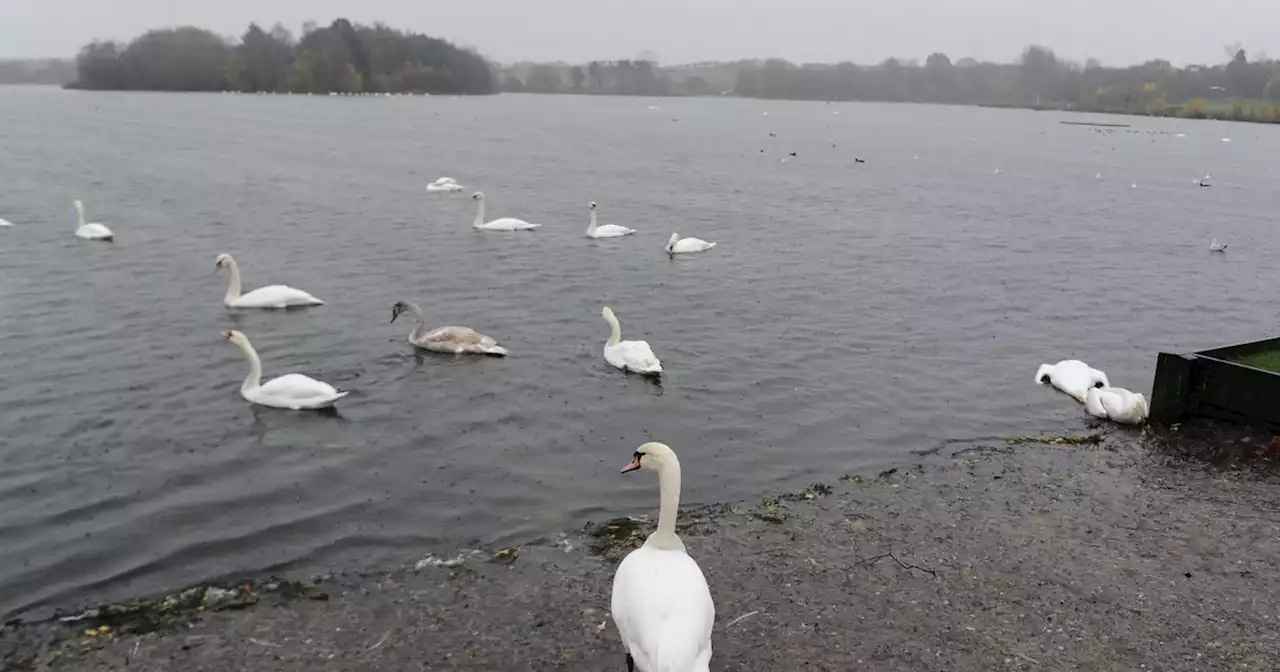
(1143, 551)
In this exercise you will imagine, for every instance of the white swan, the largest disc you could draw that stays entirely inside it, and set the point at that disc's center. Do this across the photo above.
(91, 231)
(1073, 377)
(452, 340)
(594, 230)
(661, 602)
(1215, 246)
(444, 184)
(1117, 404)
(272, 296)
(503, 224)
(633, 356)
(677, 245)
(5, 222)
(294, 391)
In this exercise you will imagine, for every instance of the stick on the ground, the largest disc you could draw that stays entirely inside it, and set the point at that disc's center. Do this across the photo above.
(877, 558)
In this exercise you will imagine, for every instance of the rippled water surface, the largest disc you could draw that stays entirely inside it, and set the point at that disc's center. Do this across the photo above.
(852, 313)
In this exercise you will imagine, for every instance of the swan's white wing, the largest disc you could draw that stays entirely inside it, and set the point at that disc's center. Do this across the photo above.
(1124, 406)
(508, 224)
(1074, 377)
(663, 609)
(94, 232)
(295, 390)
(445, 186)
(635, 356)
(613, 231)
(276, 296)
(459, 341)
(1093, 402)
(686, 245)
(5, 222)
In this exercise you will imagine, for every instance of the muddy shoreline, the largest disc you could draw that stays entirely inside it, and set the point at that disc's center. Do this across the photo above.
(1132, 549)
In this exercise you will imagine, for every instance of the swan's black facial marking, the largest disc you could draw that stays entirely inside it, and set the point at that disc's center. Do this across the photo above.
(1044, 379)
(635, 462)
(1099, 385)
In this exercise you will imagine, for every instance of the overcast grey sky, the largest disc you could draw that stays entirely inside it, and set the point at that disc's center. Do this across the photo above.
(1118, 32)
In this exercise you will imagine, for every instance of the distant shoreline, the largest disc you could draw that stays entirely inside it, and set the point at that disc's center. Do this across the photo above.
(1211, 116)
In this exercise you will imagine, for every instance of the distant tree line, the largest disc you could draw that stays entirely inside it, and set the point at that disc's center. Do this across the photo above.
(619, 78)
(1238, 89)
(37, 71)
(342, 58)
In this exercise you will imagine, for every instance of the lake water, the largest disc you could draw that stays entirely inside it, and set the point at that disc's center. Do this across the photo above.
(851, 315)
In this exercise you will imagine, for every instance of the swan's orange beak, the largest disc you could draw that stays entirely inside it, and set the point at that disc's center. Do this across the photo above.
(632, 465)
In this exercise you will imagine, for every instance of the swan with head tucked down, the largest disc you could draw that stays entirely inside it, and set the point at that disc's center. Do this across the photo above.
(633, 356)
(452, 340)
(594, 230)
(294, 391)
(1116, 404)
(661, 602)
(92, 230)
(1215, 246)
(271, 296)
(1073, 377)
(677, 245)
(503, 224)
(444, 184)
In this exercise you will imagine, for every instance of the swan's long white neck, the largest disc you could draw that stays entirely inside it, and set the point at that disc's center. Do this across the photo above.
(669, 496)
(616, 333)
(233, 288)
(79, 214)
(591, 229)
(479, 214)
(421, 326)
(254, 380)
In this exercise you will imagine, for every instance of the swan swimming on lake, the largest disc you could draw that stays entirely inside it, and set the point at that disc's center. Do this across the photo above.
(677, 245)
(271, 296)
(502, 224)
(1073, 377)
(293, 391)
(451, 340)
(444, 184)
(1116, 404)
(661, 602)
(91, 231)
(594, 230)
(632, 356)
(5, 222)
(1215, 246)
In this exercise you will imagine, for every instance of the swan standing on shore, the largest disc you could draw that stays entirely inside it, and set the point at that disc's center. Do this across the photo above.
(1073, 377)
(594, 230)
(1116, 404)
(451, 340)
(293, 391)
(444, 184)
(677, 245)
(661, 602)
(93, 230)
(272, 296)
(1215, 246)
(503, 224)
(633, 356)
